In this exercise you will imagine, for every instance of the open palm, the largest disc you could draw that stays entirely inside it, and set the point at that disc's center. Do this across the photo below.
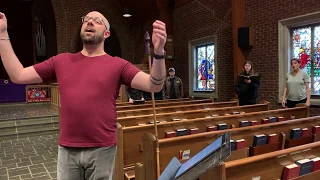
(3, 23)
(159, 36)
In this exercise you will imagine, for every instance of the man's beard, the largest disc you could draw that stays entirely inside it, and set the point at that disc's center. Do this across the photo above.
(91, 40)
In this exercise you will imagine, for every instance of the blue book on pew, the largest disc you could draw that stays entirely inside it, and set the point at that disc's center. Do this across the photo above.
(259, 140)
(222, 126)
(209, 157)
(272, 119)
(305, 166)
(295, 133)
(244, 123)
(233, 145)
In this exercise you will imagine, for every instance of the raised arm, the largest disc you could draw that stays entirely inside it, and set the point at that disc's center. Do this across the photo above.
(17, 73)
(154, 81)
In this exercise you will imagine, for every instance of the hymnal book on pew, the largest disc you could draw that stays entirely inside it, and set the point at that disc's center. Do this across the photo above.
(222, 126)
(185, 154)
(316, 130)
(316, 164)
(244, 123)
(259, 140)
(273, 138)
(265, 121)
(211, 128)
(253, 123)
(306, 132)
(290, 171)
(139, 101)
(170, 134)
(295, 133)
(305, 166)
(272, 119)
(194, 130)
(176, 119)
(209, 157)
(281, 119)
(235, 112)
(227, 114)
(215, 115)
(152, 122)
(241, 144)
(233, 145)
(182, 132)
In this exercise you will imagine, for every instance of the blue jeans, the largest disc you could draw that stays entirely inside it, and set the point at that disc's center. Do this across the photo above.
(86, 163)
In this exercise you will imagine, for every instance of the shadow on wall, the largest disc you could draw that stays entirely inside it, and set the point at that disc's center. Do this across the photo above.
(111, 44)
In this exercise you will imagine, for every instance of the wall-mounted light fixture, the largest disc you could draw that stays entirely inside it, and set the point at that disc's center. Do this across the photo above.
(126, 12)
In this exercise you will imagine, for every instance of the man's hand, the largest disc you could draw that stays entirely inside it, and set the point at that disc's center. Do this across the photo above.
(130, 100)
(247, 81)
(283, 102)
(159, 37)
(3, 24)
(308, 103)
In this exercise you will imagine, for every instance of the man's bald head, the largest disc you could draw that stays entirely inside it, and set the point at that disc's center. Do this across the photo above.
(98, 14)
(95, 28)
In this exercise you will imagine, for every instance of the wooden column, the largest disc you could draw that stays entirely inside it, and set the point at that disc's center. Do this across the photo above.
(238, 20)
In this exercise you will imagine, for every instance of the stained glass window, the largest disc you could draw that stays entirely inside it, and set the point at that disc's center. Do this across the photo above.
(305, 42)
(205, 68)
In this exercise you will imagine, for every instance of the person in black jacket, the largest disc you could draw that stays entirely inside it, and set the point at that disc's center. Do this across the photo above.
(134, 94)
(247, 85)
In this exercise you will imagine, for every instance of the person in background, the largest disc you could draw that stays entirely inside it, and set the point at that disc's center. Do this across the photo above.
(247, 85)
(173, 87)
(297, 88)
(134, 94)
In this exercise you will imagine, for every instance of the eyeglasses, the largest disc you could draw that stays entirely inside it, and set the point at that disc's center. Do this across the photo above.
(96, 20)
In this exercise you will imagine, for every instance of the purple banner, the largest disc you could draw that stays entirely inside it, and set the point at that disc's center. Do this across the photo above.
(11, 92)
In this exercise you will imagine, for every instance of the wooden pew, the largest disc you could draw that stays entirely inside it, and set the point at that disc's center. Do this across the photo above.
(170, 147)
(271, 165)
(170, 108)
(166, 117)
(130, 138)
(162, 104)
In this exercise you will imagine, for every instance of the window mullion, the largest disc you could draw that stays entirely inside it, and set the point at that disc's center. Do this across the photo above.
(312, 60)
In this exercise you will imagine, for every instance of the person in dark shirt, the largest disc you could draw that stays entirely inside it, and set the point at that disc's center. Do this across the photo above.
(134, 94)
(173, 87)
(247, 85)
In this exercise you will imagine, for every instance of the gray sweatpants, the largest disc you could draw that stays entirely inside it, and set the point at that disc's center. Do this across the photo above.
(86, 163)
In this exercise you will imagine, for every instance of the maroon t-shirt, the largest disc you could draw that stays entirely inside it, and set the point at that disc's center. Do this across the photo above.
(89, 87)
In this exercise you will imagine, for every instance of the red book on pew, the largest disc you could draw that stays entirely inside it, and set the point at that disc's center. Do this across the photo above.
(265, 121)
(281, 119)
(170, 134)
(253, 123)
(291, 171)
(306, 132)
(316, 130)
(241, 144)
(272, 138)
(211, 128)
(194, 130)
(316, 164)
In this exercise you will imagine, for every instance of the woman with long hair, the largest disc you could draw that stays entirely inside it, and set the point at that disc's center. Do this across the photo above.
(247, 85)
(297, 88)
